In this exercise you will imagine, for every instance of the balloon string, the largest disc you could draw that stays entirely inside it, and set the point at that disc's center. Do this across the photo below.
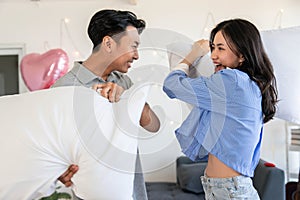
(61, 32)
(278, 20)
(63, 26)
(46, 46)
(209, 17)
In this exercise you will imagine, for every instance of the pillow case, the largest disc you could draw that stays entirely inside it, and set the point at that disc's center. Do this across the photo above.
(47, 130)
(282, 47)
(188, 176)
(178, 50)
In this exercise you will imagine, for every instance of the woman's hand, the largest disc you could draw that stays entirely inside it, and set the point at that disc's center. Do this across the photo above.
(199, 49)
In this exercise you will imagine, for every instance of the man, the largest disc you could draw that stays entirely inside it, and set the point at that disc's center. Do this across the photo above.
(115, 38)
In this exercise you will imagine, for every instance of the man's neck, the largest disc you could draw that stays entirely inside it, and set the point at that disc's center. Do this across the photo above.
(99, 69)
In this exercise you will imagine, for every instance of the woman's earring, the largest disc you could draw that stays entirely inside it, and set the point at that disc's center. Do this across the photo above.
(241, 61)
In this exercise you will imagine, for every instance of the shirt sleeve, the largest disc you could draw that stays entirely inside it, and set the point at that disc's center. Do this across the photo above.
(127, 82)
(121, 79)
(201, 91)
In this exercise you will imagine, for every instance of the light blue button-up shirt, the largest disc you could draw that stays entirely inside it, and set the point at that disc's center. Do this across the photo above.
(226, 119)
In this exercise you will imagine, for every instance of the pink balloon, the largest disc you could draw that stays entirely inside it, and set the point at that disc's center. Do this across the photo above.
(40, 71)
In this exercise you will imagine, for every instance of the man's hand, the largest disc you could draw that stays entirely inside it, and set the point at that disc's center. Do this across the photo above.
(109, 90)
(66, 177)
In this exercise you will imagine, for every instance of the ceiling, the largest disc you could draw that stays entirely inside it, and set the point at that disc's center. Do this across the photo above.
(133, 2)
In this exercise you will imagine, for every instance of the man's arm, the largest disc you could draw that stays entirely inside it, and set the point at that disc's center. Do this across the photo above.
(149, 119)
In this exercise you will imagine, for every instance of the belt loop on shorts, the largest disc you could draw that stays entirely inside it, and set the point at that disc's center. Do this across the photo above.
(203, 179)
(235, 181)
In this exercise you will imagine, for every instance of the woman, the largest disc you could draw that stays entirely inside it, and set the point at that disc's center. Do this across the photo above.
(230, 108)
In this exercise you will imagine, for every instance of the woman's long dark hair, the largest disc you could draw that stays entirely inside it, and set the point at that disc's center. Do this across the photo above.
(244, 39)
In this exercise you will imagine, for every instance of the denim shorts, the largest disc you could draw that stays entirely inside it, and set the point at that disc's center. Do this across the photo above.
(238, 187)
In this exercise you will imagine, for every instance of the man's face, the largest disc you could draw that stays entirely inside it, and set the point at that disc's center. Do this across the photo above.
(126, 51)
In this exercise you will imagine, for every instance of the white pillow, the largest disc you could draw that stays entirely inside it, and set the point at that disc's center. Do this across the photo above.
(282, 48)
(45, 131)
(178, 50)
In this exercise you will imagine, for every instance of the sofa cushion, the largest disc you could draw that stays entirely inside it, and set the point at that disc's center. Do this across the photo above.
(189, 177)
(269, 181)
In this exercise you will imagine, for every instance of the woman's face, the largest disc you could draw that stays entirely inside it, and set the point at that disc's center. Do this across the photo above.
(222, 56)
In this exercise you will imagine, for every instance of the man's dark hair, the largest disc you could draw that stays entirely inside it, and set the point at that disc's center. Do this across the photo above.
(111, 22)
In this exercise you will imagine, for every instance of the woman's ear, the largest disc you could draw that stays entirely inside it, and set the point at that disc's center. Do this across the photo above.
(241, 60)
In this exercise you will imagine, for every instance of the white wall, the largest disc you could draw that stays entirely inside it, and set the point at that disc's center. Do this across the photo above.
(39, 27)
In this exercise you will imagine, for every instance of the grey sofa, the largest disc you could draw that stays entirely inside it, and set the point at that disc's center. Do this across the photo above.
(268, 181)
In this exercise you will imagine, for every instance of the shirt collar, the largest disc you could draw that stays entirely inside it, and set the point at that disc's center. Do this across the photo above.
(84, 75)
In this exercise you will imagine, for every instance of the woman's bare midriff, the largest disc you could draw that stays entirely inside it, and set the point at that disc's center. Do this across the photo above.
(217, 169)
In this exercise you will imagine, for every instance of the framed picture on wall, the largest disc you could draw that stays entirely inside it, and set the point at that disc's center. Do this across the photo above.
(10, 78)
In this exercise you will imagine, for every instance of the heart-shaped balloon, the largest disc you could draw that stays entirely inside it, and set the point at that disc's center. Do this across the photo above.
(40, 71)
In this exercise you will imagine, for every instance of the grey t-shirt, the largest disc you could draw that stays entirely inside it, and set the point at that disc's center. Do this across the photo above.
(81, 76)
